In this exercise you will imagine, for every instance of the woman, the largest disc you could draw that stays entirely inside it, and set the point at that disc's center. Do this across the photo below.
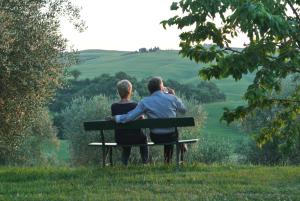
(128, 136)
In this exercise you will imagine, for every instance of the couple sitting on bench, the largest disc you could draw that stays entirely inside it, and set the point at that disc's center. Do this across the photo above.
(162, 103)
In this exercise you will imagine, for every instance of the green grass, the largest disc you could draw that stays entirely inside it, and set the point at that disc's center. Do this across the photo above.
(193, 182)
(220, 131)
(163, 63)
(57, 153)
(62, 157)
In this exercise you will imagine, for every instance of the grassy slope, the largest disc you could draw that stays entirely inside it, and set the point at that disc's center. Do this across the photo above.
(164, 63)
(169, 65)
(199, 182)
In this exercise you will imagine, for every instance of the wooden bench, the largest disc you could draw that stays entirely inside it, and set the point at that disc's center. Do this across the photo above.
(101, 125)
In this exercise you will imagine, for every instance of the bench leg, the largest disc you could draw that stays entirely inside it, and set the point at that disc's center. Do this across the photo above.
(107, 153)
(183, 149)
(110, 156)
(177, 155)
(103, 155)
(181, 155)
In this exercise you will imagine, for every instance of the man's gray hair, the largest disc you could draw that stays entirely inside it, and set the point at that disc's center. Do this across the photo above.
(124, 87)
(154, 84)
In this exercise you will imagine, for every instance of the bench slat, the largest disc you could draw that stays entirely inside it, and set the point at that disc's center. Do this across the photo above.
(110, 144)
(143, 123)
(188, 141)
(113, 144)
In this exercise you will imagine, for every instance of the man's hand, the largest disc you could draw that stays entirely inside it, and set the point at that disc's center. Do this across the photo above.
(110, 118)
(170, 90)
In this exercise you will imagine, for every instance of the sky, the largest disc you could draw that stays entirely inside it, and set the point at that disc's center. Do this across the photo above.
(124, 25)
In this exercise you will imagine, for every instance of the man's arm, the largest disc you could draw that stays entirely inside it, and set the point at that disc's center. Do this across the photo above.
(132, 115)
(180, 106)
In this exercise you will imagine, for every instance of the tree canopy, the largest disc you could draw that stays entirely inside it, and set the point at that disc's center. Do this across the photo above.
(271, 53)
(203, 92)
(32, 61)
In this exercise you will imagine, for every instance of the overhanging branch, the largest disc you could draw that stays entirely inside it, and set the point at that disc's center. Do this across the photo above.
(283, 100)
(294, 10)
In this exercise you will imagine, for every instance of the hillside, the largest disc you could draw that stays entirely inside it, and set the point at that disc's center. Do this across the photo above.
(169, 65)
(193, 182)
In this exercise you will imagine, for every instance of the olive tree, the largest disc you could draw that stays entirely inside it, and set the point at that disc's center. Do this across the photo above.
(272, 28)
(33, 57)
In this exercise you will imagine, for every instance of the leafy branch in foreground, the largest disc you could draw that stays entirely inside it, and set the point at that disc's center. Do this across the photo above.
(271, 52)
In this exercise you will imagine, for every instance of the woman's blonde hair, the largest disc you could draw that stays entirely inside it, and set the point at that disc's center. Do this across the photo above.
(124, 88)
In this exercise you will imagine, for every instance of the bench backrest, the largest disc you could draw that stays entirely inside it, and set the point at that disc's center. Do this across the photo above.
(143, 123)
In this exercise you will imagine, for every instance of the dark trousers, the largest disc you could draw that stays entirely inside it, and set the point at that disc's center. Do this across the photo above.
(126, 150)
(133, 139)
(165, 138)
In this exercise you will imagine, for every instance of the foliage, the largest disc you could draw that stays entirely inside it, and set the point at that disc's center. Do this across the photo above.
(159, 183)
(269, 154)
(273, 151)
(33, 59)
(98, 107)
(31, 151)
(203, 92)
(144, 50)
(105, 84)
(75, 74)
(272, 53)
(212, 151)
(80, 110)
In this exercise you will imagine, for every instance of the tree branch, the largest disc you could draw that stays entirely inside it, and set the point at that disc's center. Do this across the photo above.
(232, 50)
(270, 57)
(235, 51)
(294, 10)
(282, 100)
(297, 17)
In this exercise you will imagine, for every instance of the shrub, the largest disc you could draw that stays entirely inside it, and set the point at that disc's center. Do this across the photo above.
(80, 110)
(268, 154)
(211, 151)
(31, 150)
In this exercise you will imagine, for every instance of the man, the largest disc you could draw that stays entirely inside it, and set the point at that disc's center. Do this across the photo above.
(162, 103)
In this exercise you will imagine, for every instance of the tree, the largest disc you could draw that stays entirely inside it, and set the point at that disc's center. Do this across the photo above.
(143, 50)
(75, 73)
(272, 54)
(32, 62)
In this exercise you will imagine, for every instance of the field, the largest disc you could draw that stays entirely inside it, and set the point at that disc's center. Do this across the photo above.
(193, 182)
(169, 65)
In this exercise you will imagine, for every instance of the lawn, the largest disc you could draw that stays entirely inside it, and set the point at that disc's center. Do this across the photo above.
(193, 182)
